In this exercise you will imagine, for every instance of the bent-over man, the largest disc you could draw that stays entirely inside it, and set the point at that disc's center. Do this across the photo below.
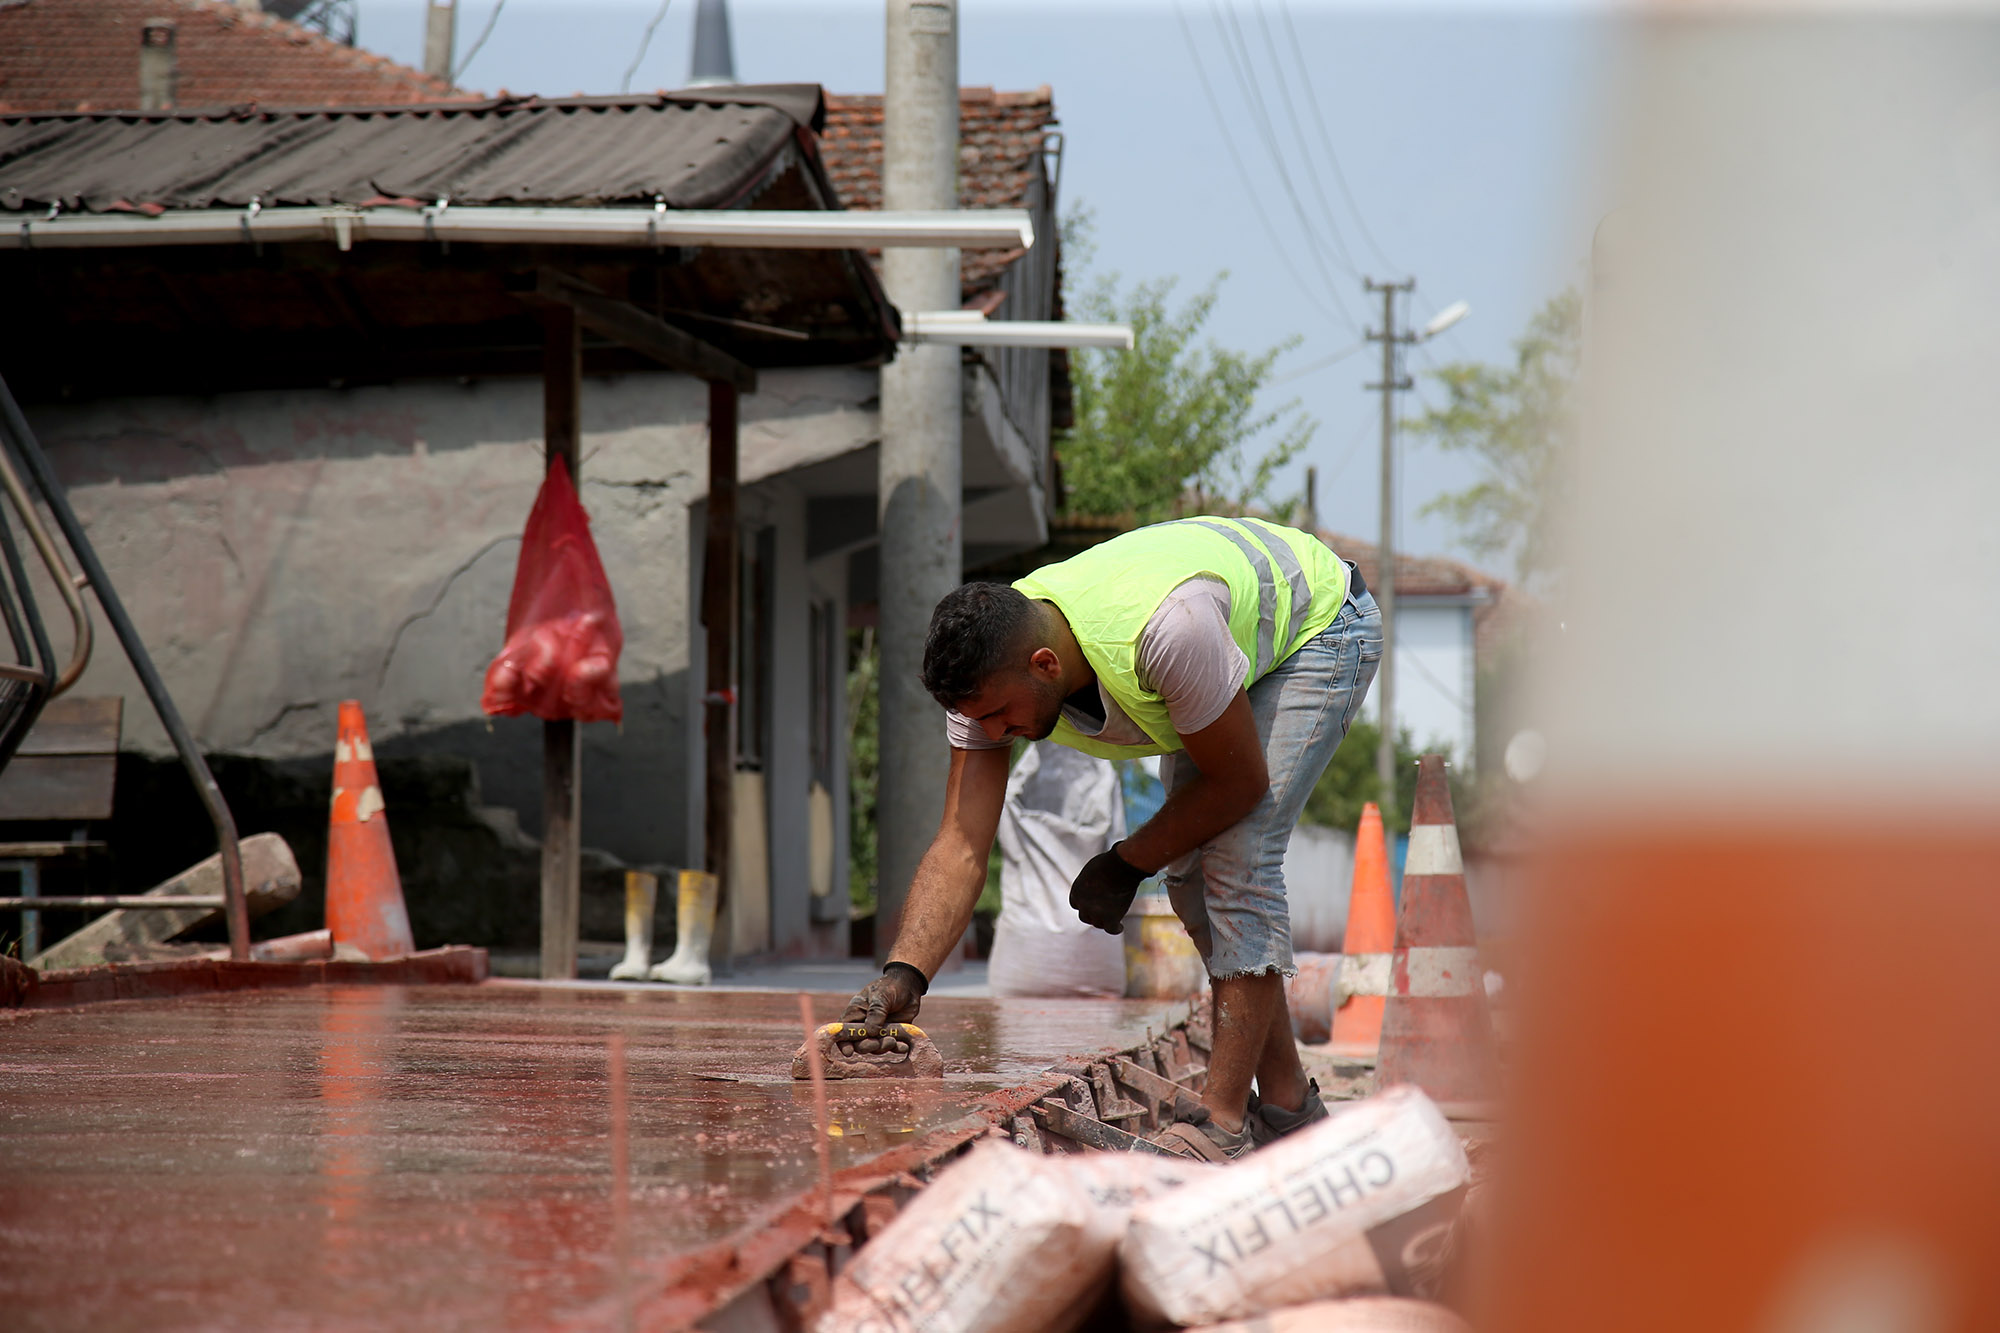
(1238, 649)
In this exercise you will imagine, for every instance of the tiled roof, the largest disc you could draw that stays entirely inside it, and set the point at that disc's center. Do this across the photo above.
(1493, 620)
(1000, 144)
(1416, 575)
(83, 55)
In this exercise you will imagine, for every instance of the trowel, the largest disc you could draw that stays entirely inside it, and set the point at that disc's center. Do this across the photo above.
(906, 1052)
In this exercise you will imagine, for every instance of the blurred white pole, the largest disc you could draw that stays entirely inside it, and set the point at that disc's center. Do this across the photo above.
(1773, 783)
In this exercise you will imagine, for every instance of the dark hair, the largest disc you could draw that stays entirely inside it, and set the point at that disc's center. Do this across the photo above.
(976, 631)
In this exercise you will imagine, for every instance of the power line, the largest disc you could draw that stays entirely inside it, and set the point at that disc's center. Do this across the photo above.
(1320, 364)
(484, 33)
(625, 84)
(1353, 448)
(1240, 65)
(1243, 174)
(1326, 140)
(1305, 149)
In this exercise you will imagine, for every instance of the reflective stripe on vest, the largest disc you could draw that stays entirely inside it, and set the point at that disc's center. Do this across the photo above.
(1268, 636)
(1111, 592)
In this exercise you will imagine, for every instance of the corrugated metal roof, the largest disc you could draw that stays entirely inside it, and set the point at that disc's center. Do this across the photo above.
(697, 149)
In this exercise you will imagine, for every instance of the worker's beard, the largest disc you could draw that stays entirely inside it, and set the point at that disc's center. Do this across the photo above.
(1048, 707)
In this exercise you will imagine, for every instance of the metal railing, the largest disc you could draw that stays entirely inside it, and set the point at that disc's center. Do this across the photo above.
(17, 441)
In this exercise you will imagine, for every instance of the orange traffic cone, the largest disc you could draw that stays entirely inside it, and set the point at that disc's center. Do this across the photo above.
(1363, 983)
(364, 895)
(1436, 1032)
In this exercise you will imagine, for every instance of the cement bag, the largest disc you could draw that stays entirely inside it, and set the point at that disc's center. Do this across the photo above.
(1062, 808)
(1366, 1314)
(1115, 1183)
(1112, 1184)
(1004, 1241)
(1357, 1205)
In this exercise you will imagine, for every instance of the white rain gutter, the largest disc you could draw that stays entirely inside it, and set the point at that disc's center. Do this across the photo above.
(967, 229)
(969, 328)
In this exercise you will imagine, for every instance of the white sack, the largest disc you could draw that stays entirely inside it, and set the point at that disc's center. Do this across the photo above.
(1062, 808)
(1004, 1241)
(1358, 1204)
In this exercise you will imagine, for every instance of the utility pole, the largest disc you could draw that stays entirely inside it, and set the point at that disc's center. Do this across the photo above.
(1384, 587)
(920, 472)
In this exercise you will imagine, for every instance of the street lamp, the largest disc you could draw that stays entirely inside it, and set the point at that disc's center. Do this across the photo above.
(1444, 319)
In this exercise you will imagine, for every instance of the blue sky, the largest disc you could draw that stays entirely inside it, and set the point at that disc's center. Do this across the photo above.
(1463, 134)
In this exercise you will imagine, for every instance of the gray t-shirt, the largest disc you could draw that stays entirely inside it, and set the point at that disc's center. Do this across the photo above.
(1186, 656)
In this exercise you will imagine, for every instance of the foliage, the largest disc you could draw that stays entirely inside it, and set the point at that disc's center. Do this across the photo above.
(989, 897)
(1350, 781)
(1172, 426)
(864, 748)
(1518, 421)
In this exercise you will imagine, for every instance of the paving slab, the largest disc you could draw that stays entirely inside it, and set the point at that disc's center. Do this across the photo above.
(433, 1157)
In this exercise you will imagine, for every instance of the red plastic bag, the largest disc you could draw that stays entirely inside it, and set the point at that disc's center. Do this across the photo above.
(563, 640)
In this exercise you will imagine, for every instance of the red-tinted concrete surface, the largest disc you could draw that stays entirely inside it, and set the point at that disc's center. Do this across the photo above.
(431, 1157)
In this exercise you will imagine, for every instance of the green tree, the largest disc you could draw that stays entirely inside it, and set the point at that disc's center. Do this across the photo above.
(1172, 426)
(1350, 781)
(864, 750)
(1518, 421)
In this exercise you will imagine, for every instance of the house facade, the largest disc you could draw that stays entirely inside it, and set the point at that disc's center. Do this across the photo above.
(294, 520)
(1450, 618)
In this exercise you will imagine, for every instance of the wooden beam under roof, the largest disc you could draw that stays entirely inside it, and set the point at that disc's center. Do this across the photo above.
(626, 323)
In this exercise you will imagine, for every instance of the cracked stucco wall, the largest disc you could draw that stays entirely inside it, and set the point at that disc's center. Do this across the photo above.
(281, 552)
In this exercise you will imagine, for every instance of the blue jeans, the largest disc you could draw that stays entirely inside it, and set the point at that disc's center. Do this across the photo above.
(1230, 891)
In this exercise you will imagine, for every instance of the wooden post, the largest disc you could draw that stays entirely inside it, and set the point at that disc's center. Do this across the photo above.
(718, 615)
(562, 742)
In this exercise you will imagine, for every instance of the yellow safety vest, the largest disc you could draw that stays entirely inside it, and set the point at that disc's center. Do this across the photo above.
(1284, 587)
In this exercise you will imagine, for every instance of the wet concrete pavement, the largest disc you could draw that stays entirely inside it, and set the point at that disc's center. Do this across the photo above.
(435, 1157)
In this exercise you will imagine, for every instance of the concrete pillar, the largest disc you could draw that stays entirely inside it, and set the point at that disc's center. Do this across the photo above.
(919, 481)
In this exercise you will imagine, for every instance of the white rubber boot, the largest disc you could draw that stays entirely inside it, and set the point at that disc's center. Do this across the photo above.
(642, 891)
(696, 926)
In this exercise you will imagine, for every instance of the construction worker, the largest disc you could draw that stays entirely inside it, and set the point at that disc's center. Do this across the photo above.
(1238, 649)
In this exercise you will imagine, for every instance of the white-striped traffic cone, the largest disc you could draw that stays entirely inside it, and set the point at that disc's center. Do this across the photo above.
(1436, 1032)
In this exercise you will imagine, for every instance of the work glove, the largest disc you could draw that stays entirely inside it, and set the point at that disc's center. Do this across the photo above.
(893, 997)
(1104, 889)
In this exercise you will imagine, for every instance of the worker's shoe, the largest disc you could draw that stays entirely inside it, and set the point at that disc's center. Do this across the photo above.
(1195, 1134)
(1268, 1124)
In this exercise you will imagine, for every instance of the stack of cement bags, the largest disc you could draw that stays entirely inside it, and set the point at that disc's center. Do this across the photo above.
(1340, 1227)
